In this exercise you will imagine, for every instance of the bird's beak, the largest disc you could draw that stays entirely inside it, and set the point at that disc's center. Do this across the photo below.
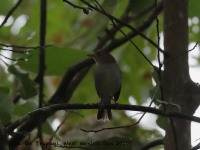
(91, 55)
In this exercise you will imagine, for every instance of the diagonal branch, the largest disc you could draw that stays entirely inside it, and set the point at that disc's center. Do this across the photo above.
(10, 13)
(125, 24)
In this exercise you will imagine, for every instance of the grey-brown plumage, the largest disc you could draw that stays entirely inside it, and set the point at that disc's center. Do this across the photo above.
(107, 78)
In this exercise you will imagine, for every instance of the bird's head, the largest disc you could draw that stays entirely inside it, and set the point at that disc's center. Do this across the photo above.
(102, 57)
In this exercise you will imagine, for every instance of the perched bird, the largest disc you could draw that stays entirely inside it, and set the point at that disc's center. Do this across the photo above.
(107, 79)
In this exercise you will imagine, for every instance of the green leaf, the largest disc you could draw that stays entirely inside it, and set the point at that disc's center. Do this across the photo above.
(46, 128)
(26, 87)
(138, 5)
(155, 76)
(194, 8)
(136, 74)
(25, 108)
(155, 91)
(156, 95)
(57, 60)
(161, 122)
(6, 105)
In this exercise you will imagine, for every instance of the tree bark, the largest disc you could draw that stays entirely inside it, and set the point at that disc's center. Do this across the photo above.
(177, 85)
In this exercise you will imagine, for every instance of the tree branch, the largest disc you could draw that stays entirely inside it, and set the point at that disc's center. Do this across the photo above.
(43, 111)
(42, 67)
(125, 24)
(10, 13)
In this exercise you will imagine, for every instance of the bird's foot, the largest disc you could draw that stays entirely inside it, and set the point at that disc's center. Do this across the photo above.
(101, 105)
(116, 104)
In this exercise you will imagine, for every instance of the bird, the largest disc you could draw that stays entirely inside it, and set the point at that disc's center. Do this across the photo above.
(107, 79)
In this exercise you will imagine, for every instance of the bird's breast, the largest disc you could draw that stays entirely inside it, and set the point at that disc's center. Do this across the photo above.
(107, 79)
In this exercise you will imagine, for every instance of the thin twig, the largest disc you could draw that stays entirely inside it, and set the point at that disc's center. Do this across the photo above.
(10, 13)
(85, 10)
(138, 49)
(181, 54)
(58, 127)
(14, 59)
(4, 62)
(72, 4)
(159, 71)
(193, 47)
(16, 51)
(114, 24)
(123, 23)
(22, 49)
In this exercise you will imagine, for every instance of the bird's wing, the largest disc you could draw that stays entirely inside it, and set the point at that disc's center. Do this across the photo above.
(97, 78)
(116, 96)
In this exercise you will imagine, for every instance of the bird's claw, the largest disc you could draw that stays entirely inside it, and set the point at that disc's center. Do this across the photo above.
(101, 105)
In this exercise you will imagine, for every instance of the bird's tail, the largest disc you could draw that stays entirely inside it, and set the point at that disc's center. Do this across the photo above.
(104, 114)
